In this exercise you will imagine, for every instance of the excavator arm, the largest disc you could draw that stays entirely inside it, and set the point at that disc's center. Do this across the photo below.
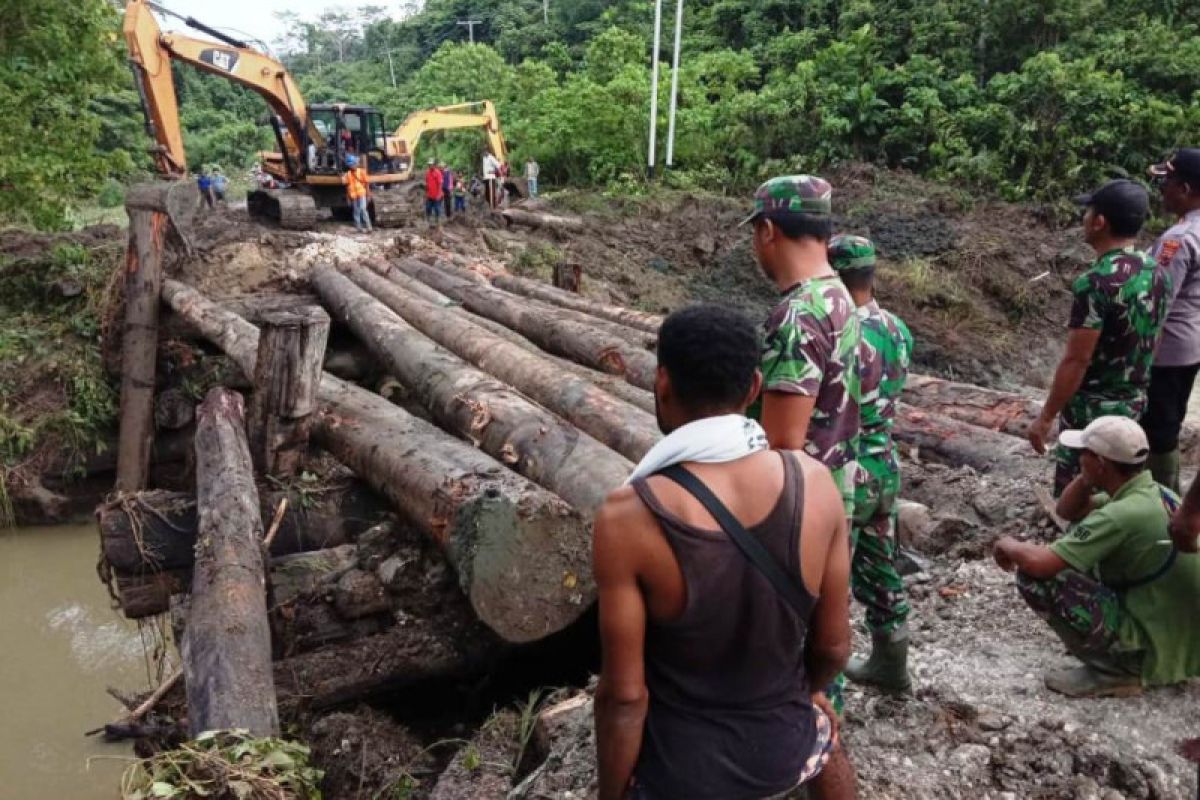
(480, 114)
(151, 52)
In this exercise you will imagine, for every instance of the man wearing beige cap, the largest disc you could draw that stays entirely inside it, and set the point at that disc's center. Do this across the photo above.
(1113, 587)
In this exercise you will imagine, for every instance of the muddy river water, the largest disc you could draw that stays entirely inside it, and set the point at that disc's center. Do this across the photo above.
(60, 645)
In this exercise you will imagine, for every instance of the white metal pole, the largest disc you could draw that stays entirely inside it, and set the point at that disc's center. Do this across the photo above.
(391, 69)
(654, 88)
(545, 12)
(674, 84)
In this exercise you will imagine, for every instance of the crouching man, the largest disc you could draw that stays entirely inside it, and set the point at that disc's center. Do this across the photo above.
(723, 570)
(1114, 589)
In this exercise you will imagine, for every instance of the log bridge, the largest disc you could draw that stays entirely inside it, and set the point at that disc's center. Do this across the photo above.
(522, 405)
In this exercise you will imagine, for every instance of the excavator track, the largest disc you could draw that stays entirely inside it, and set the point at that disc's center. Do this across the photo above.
(391, 209)
(291, 209)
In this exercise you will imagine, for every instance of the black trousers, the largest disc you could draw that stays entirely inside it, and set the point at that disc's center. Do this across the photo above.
(1166, 405)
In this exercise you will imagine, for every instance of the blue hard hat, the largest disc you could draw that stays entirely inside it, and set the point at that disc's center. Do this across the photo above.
(351, 161)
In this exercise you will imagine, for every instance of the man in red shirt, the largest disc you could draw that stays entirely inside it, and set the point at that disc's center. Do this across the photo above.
(433, 192)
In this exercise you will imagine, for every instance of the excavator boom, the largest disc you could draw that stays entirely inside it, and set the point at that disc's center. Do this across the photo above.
(151, 52)
(480, 114)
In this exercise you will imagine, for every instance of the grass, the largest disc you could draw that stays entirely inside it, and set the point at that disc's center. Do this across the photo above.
(538, 261)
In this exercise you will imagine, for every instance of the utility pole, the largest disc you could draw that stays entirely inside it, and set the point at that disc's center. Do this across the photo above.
(392, 70)
(470, 23)
(674, 84)
(545, 12)
(654, 89)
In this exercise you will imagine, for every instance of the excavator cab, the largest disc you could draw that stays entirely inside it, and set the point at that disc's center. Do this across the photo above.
(346, 130)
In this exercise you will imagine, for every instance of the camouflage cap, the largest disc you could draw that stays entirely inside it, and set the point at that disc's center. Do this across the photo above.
(847, 252)
(792, 194)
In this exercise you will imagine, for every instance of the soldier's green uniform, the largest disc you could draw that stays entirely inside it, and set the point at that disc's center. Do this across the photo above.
(1124, 296)
(810, 345)
(885, 351)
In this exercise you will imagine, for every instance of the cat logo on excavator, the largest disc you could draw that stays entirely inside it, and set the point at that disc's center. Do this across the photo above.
(221, 59)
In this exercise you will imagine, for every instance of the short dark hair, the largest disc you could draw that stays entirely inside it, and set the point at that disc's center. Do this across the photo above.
(858, 278)
(1127, 470)
(710, 353)
(799, 226)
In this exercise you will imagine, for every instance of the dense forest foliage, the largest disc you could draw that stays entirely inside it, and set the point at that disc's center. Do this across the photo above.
(1031, 99)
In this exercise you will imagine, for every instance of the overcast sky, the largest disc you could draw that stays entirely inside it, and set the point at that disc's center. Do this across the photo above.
(250, 18)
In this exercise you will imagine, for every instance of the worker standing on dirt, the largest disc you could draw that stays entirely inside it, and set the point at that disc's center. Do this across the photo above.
(204, 184)
(433, 192)
(219, 184)
(809, 362)
(1178, 356)
(1113, 588)
(712, 635)
(883, 356)
(358, 191)
(460, 195)
(491, 177)
(1120, 304)
(531, 176)
(447, 188)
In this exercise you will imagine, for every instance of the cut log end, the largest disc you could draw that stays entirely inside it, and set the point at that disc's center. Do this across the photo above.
(530, 575)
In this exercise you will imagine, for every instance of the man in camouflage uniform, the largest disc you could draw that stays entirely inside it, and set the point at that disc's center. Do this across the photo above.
(810, 390)
(883, 357)
(1177, 359)
(1120, 304)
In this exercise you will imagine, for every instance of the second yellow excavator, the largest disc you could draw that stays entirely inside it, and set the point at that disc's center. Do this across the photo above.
(402, 145)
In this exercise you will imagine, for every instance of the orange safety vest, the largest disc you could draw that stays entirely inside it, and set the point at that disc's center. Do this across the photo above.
(356, 183)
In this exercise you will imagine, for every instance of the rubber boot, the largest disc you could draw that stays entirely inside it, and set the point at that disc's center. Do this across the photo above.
(887, 668)
(1089, 681)
(1165, 469)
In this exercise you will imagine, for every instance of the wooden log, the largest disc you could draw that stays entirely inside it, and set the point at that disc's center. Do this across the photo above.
(960, 443)
(643, 321)
(139, 337)
(535, 219)
(173, 410)
(625, 428)
(226, 646)
(568, 276)
(522, 555)
(612, 384)
(291, 351)
(473, 404)
(555, 333)
(156, 530)
(987, 408)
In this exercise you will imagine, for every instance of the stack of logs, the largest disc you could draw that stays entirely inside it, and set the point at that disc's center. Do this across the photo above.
(540, 402)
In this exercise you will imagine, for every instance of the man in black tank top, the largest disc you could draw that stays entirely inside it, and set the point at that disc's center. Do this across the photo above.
(711, 654)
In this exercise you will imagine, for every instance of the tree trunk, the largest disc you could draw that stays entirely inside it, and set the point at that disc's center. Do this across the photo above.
(139, 341)
(648, 323)
(555, 333)
(149, 531)
(612, 384)
(523, 556)
(960, 443)
(291, 351)
(625, 428)
(473, 404)
(535, 219)
(226, 645)
(998, 411)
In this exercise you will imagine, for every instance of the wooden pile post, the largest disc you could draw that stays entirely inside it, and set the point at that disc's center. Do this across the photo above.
(287, 374)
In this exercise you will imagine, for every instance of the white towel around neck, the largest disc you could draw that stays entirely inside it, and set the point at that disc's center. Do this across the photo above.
(712, 440)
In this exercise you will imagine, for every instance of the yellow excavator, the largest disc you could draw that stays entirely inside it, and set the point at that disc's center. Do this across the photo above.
(313, 140)
(402, 145)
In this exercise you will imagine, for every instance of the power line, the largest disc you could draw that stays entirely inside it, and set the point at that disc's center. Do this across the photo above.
(470, 23)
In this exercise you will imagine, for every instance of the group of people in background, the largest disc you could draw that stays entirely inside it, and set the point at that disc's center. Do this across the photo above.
(446, 192)
(725, 566)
